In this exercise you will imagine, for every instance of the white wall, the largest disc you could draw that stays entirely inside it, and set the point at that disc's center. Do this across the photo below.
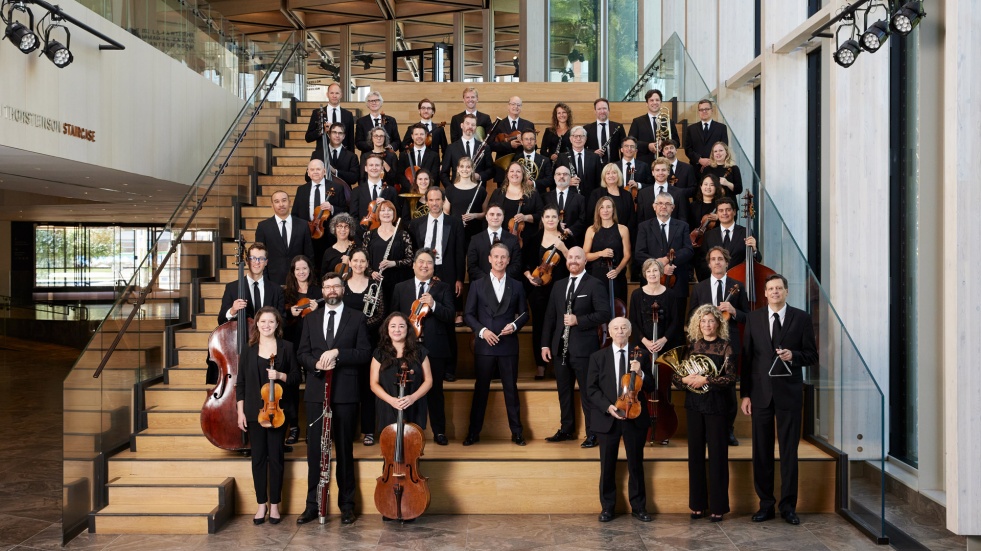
(152, 115)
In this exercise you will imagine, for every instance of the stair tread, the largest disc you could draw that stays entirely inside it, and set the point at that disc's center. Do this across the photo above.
(165, 481)
(175, 387)
(145, 509)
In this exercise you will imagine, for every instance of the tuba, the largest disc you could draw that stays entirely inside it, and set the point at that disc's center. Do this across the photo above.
(696, 364)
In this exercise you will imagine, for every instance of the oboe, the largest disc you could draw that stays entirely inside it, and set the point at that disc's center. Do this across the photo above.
(326, 443)
(565, 333)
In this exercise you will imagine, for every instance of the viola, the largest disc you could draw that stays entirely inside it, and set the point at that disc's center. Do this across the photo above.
(627, 404)
(751, 272)
(508, 136)
(271, 415)
(543, 273)
(344, 268)
(429, 135)
(320, 217)
(618, 309)
(698, 234)
(412, 169)
(517, 228)
(420, 310)
(732, 291)
(371, 220)
(669, 280)
(304, 304)
(664, 419)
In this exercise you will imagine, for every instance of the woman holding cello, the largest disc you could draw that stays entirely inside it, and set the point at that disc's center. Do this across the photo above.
(302, 297)
(543, 259)
(520, 202)
(268, 359)
(607, 247)
(708, 423)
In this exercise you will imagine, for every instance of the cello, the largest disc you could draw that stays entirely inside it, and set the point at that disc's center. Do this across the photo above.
(751, 272)
(664, 419)
(401, 492)
(227, 343)
(617, 308)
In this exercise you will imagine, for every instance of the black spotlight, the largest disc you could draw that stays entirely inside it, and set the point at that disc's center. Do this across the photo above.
(59, 54)
(17, 32)
(907, 17)
(875, 36)
(846, 54)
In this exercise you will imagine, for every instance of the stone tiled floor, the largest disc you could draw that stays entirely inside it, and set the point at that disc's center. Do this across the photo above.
(30, 501)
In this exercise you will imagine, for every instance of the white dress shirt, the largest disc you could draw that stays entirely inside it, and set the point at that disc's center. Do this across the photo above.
(439, 235)
(337, 317)
(289, 227)
(262, 294)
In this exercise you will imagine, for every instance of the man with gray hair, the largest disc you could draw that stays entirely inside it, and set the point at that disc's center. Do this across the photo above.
(375, 118)
(658, 238)
(583, 163)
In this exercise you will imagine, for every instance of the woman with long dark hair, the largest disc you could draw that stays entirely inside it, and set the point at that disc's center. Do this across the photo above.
(356, 289)
(397, 265)
(398, 343)
(542, 243)
(301, 282)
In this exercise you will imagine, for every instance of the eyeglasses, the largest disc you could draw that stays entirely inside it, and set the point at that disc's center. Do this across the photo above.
(257, 259)
(703, 109)
(660, 204)
(375, 100)
(337, 132)
(582, 136)
(514, 104)
(333, 287)
(427, 108)
(625, 146)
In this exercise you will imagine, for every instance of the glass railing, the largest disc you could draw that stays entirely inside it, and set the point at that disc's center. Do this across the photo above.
(102, 409)
(845, 404)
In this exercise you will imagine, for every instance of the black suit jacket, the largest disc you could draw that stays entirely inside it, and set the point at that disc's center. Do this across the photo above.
(698, 144)
(642, 172)
(454, 153)
(484, 310)
(453, 250)
(438, 142)
(642, 129)
(479, 249)
(612, 134)
(272, 296)
(437, 326)
(685, 175)
(574, 216)
(504, 127)
(347, 166)
(650, 244)
(353, 355)
(301, 200)
(737, 244)
(645, 202)
(361, 198)
(797, 335)
(544, 182)
(592, 167)
(702, 293)
(591, 306)
(430, 162)
(251, 376)
(279, 255)
(363, 126)
(315, 131)
(602, 388)
(483, 121)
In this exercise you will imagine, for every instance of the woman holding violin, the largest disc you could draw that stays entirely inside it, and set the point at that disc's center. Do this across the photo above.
(706, 406)
(555, 139)
(389, 251)
(607, 247)
(381, 147)
(702, 217)
(611, 185)
(520, 202)
(543, 258)
(723, 166)
(357, 288)
(302, 297)
(339, 253)
(398, 342)
(268, 363)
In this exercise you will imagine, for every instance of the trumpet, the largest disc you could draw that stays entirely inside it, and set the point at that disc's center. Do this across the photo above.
(696, 364)
(371, 300)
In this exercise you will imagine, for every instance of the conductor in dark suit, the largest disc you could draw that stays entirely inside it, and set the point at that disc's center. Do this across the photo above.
(437, 329)
(607, 367)
(333, 113)
(587, 302)
(655, 239)
(478, 251)
(496, 310)
(644, 128)
(778, 342)
(701, 136)
(285, 236)
(467, 145)
(482, 120)
(259, 290)
(603, 130)
(572, 206)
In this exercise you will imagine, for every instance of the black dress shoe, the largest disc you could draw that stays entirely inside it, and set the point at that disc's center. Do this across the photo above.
(441, 440)
(642, 516)
(449, 377)
(696, 516)
(292, 436)
(589, 442)
(733, 441)
(307, 516)
(606, 516)
(471, 439)
(559, 436)
(763, 515)
(791, 517)
(258, 521)
(518, 439)
(347, 517)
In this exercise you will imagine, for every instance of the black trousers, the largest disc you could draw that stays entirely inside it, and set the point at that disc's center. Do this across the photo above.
(538, 304)
(710, 494)
(342, 430)
(268, 459)
(609, 448)
(434, 398)
(788, 425)
(484, 368)
(450, 365)
(566, 377)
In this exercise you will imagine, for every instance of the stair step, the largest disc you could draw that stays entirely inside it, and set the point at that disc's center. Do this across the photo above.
(186, 374)
(193, 491)
(154, 519)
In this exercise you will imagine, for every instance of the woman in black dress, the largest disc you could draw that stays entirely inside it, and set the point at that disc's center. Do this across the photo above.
(301, 282)
(388, 258)
(265, 343)
(519, 200)
(724, 167)
(611, 185)
(535, 249)
(398, 342)
(465, 199)
(703, 208)
(607, 247)
(355, 289)
(641, 310)
(381, 147)
(707, 414)
(556, 137)
(340, 227)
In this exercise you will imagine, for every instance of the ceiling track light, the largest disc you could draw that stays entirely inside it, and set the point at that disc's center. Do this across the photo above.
(18, 33)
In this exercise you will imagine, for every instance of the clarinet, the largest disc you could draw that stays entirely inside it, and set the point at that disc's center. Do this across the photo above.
(326, 443)
(565, 334)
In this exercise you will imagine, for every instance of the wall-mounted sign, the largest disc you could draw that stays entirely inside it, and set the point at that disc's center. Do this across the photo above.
(46, 123)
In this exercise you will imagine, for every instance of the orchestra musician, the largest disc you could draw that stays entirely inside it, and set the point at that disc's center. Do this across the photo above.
(642, 301)
(340, 252)
(389, 250)
(318, 191)
(496, 310)
(542, 164)
(285, 236)
(438, 143)
(437, 329)
(398, 342)
(723, 165)
(261, 292)
(661, 171)
(707, 414)
(580, 303)
(636, 173)
(778, 342)
(729, 235)
(421, 185)
(481, 120)
(479, 249)
(701, 136)
(343, 162)
(356, 290)
(375, 119)
(465, 199)
(584, 164)
(466, 146)
(702, 208)
(426, 158)
(612, 186)
(607, 246)
(512, 124)
(300, 283)
(548, 240)
(571, 205)
(518, 198)
(555, 139)
(604, 132)
(381, 149)
(657, 237)
(268, 359)
(334, 338)
(604, 385)
(373, 188)
(645, 128)
(682, 175)
(335, 115)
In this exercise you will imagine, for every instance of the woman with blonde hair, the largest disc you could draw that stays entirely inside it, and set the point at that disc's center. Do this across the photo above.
(519, 200)
(723, 166)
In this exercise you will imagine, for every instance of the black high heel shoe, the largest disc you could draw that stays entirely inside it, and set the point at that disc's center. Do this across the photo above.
(260, 520)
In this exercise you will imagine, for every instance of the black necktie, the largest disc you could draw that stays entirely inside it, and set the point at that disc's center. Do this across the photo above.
(418, 158)
(466, 144)
(316, 195)
(622, 368)
(333, 156)
(286, 239)
(579, 165)
(428, 128)
(514, 125)
(256, 297)
(494, 239)
(377, 123)
(630, 169)
(705, 127)
(653, 125)
(432, 242)
(726, 240)
(777, 328)
(572, 289)
(664, 233)
(329, 335)
(337, 115)
(603, 135)
(718, 293)
(422, 288)
(374, 192)
(561, 200)
(660, 189)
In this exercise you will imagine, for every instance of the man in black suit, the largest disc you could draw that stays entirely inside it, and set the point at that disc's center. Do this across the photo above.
(604, 130)
(682, 174)
(482, 120)
(728, 295)
(729, 235)
(607, 367)
(513, 123)
(645, 199)
(331, 196)
(260, 291)
(285, 236)
(644, 128)
(370, 190)
(659, 235)
(478, 251)
(496, 310)
(579, 303)
(333, 114)
(438, 143)
(467, 146)
(701, 136)
(542, 164)
(417, 154)
(584, 164)
(636, 173)
(335, 339)
(778, 342)
(343, 163)
(363, 126)
(437, 329)
(572, 206)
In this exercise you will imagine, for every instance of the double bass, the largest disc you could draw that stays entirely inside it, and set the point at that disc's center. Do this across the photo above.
(664, 419)
(751, 272)
(401, 492)
(227, 343)
(617, 308)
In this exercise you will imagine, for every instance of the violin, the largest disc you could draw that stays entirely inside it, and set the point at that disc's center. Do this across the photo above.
(617, 307)
(698, 234)
(504, 137)
(543, 273)
(320, 217)
(371, 220)
(516, 228)
(732, 291)
(669, 280)
(664, 419)
(304, 304)
(401, 492)
(420, 310)
(429, 135)
(344, 268)
(627, 403)
(271, 415)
